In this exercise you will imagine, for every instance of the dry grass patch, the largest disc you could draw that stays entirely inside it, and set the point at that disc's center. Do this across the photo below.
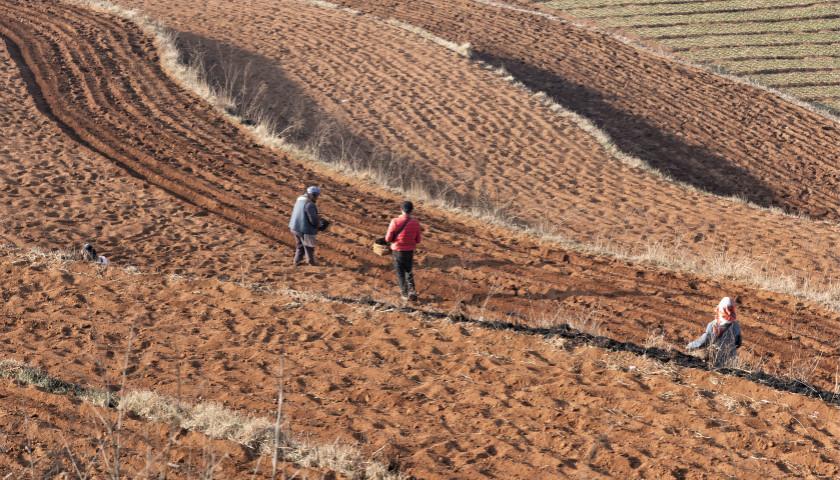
(462, 49)
(213, 420)
(640, 366)
(257, 433)
(33, 376)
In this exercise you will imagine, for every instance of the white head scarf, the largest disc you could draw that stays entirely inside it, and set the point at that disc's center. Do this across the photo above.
(725, 312)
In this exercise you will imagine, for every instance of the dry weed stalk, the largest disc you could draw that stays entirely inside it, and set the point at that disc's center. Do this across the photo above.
(748, 361)
(278, 419)
(802, 369)
(656, 341)
(586, 321)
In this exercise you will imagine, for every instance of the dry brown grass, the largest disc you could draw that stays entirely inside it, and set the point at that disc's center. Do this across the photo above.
(462, 49)
(208, 418)
(29, 375)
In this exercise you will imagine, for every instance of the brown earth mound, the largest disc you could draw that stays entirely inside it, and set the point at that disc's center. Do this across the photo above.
(472, 135)
(140, 120)
(440, 400)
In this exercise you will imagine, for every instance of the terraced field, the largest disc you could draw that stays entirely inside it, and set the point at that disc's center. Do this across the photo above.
(469, 263)
(789, 45)
(487, 140)
(101, 142)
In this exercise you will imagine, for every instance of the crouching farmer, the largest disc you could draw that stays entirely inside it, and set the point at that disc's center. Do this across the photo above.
(305, 224)
(404, 235)
(722, 336)
(89, 254)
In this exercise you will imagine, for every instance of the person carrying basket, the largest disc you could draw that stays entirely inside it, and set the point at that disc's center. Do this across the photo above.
(404, 235)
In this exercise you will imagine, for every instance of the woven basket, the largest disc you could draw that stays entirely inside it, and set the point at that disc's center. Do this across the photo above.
(381, 247)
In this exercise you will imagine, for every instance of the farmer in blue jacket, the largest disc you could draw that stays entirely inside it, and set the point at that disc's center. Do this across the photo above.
(305, 224)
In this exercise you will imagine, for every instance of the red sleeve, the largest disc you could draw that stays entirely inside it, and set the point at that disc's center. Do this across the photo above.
(390, 231)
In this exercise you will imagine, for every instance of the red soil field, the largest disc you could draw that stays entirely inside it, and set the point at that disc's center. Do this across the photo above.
(104, 145)
(442, 400)
(701, 128)
(215, 167)
(467, 129)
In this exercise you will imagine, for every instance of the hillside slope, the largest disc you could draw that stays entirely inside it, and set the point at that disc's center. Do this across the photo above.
(437, 398)
(238, 193)
(432, 117)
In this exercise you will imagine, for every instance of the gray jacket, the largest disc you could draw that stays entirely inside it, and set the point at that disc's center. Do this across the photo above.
(722, 349)
(305, 220)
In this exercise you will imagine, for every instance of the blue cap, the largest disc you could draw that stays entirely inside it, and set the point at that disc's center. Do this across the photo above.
(313, 190)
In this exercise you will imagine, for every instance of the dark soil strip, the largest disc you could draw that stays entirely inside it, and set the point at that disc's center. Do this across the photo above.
(629, 4)
(745, 45)
(771, 71)
(770, 58)
(806, 84)
(740, 22)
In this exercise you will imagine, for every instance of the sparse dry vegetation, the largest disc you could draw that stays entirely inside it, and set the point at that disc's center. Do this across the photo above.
(29, 375)
(480, 357)
(211, 419)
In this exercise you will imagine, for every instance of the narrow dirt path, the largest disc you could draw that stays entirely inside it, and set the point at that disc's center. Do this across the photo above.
(98, 75)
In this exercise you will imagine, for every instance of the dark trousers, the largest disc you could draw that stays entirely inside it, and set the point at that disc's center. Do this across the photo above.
(301, 250)
(404, 264)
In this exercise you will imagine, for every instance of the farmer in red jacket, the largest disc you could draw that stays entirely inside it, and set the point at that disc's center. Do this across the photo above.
(404, 235)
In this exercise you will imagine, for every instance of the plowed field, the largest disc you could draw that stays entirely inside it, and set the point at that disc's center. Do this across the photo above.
(104, 145)
(466, 128)
(215, 167)
(786, 44)
(441, 400)
(682, 120)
